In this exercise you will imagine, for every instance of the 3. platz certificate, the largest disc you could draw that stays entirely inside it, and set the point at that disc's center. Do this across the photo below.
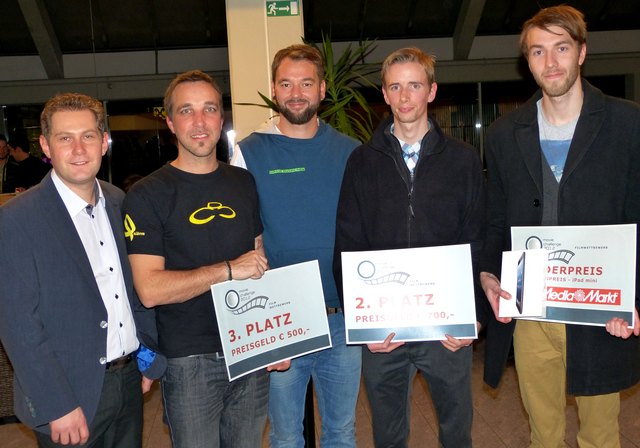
(419, 294)
(280, 316)
(590, 272)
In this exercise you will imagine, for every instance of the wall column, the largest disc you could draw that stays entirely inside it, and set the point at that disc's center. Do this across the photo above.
(256, 30)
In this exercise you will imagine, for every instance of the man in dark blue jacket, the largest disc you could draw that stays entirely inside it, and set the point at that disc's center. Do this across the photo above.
(70, 319)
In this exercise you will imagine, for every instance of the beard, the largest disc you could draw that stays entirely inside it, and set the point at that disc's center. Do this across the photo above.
(302, 117)
(201, 149)
(561, 87)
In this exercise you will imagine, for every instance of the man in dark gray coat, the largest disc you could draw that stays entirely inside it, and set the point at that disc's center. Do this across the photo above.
(569, 156)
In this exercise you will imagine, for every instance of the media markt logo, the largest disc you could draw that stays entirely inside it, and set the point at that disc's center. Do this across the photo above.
(130, 228)
(241, 302)
(367, 269)
(584, 295)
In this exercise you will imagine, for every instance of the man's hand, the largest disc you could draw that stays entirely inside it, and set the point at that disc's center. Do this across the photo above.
(493, 291)
(386, 346)
(279, 366)
(146, 384)
(70, 429)
(620, 327)
(454, 344)
(249, 265)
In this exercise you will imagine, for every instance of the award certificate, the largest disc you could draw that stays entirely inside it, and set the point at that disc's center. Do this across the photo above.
(419, 294)
(590, 271)
(280, 316)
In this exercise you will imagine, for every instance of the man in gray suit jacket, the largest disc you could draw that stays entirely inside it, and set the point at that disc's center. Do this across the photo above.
(69, 317)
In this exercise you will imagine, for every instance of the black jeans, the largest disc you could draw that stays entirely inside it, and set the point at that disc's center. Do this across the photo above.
(389, 377)
(118, 419)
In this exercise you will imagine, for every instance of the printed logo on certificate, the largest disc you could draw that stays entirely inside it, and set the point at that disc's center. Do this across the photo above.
(590, 271)
(420, 294)
(279, 316)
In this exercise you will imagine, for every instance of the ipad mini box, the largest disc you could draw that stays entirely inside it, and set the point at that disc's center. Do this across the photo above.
(523, 276)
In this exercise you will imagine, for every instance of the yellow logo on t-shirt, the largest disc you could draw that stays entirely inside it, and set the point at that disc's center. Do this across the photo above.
(205, 214)
(130, 228)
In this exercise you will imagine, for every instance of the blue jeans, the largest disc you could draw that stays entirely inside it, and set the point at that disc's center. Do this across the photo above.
(336, 379)
(205, 410)
(389, 376)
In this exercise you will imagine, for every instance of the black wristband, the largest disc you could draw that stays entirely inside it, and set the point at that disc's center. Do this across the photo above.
(229, 271)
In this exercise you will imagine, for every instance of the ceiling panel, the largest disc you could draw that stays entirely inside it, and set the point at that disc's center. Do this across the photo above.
(83, 26)
(436, 19)
(338, 18)
(382, 22)
(118, 31)
(72, 23)
(191, 24)
(14, 34)
(507, 16)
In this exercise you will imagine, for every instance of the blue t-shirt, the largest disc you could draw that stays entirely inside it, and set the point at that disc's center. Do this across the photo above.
(555, 142)
(298, 183)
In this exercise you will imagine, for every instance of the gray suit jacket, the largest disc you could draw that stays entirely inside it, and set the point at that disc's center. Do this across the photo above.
(51, 308)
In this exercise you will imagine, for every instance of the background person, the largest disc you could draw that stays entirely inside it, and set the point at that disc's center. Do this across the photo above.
(4, 158)
(25, 169)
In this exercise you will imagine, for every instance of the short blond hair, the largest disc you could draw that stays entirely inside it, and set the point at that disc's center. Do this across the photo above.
(410, 54)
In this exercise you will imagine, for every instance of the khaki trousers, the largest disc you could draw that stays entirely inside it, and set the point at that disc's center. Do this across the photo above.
(541, 363)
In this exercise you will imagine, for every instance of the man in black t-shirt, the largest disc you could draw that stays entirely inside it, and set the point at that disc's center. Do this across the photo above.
(193, 223)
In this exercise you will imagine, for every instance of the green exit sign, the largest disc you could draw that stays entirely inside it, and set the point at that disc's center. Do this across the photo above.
(283, 8)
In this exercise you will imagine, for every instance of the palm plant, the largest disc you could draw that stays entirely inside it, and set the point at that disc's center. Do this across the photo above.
(344, 106)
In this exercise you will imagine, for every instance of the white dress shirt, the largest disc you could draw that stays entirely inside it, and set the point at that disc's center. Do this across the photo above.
(94, 229)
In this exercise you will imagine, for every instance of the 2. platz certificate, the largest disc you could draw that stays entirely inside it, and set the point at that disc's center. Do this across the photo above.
(590, 271)
(419, 294)
(280, 316)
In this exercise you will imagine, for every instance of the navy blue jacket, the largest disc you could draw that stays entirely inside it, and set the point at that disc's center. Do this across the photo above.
(51, 307)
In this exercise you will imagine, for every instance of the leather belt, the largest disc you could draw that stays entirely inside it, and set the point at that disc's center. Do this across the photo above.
(219, 355)
(118, 363)
(333, 310)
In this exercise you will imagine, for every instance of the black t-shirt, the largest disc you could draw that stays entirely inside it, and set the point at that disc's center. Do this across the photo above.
(192, 220)
(24, 174)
